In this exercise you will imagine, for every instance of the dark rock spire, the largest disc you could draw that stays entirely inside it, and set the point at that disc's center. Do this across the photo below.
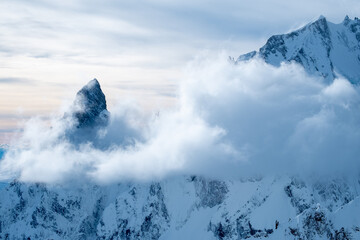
(90, 106)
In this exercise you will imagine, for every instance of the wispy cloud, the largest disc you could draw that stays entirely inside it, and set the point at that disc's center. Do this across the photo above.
(169, 90)
(16, 80)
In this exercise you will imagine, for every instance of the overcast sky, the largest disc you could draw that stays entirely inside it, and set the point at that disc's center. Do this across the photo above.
(136, 49)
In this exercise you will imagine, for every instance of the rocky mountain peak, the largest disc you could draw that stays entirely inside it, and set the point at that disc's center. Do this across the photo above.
(346, 20)
(91, 105)
(320, 24)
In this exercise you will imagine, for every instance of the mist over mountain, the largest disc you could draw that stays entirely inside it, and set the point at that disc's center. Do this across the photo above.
(266, 148)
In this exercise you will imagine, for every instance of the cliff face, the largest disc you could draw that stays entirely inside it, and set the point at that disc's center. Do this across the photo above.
(87, 115)
(91, 110)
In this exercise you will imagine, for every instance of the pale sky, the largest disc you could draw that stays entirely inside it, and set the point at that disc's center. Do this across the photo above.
(136, 49)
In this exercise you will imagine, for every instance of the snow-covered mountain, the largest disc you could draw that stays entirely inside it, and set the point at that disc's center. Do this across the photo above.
(195, 207)
(184, 208)
(321, 47)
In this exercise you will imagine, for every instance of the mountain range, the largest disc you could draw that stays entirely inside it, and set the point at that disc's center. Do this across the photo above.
(196, 207)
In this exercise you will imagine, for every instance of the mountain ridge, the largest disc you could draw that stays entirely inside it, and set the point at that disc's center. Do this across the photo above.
(323, 48)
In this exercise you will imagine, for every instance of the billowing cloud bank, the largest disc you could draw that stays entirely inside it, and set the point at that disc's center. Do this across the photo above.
(231, 121)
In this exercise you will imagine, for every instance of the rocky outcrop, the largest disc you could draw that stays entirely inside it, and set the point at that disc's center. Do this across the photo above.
(90, 106)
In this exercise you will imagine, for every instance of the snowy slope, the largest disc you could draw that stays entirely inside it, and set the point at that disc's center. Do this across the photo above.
(321, 47)
(185, 207)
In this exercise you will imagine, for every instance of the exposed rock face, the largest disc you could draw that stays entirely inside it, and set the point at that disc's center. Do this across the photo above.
(91, 104)
(87, 116)
(323, 48)
(211, 193)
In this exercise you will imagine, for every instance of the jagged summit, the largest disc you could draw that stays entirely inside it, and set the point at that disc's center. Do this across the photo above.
(346, 19)
(91, 105)
(323, 48)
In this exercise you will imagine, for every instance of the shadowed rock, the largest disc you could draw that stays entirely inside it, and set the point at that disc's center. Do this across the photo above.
(91, 106)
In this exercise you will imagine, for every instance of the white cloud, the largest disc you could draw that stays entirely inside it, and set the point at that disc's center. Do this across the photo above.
(231, 121)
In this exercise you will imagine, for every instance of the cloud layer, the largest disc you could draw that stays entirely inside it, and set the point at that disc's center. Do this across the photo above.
(59, 44)
(232, 121)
